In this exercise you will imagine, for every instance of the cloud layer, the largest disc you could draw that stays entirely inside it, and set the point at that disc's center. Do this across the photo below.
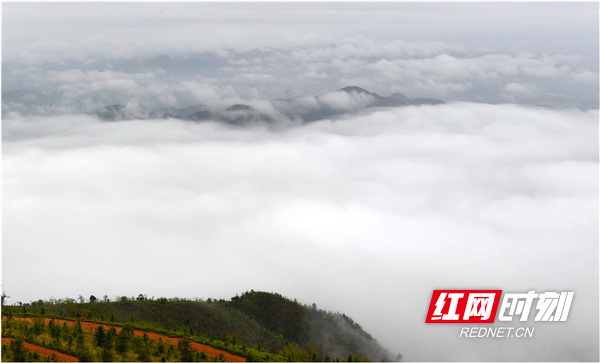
(365, 215)
(155, 56)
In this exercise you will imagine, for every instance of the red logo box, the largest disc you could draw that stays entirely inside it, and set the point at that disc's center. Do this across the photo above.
(463, 306)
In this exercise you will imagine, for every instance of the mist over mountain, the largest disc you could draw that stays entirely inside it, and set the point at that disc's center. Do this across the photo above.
(300, 109)
(177, 112)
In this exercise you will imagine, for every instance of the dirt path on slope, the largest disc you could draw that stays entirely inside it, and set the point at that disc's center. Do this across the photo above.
(60, 357)
(228, 357)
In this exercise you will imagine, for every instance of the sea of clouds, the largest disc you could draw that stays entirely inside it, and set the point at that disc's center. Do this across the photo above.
(366, 213)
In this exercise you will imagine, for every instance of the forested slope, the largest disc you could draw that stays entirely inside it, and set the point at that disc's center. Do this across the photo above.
(255, 325)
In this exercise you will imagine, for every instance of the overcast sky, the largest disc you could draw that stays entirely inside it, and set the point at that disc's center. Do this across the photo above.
(365, 214)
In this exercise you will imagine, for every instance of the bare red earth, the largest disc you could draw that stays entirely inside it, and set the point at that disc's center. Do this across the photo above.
(61, 357)
(228, 357)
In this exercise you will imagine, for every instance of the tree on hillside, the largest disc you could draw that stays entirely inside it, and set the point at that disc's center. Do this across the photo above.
(55, 330)
(18, 350)
(107, 355)
(143, 350)
(186, 354)
(100, 337)
(123, 339)
(80, 344)
(93, 299)
(160, 347)
(78, 329)
(111, 336)
(122, 343)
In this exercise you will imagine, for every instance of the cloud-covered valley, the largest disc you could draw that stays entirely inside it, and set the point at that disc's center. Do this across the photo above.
(365, 214)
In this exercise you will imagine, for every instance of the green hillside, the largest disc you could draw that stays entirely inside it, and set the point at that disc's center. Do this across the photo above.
(256, 325)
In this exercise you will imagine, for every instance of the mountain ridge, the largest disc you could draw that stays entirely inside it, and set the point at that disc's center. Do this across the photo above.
(327, 105)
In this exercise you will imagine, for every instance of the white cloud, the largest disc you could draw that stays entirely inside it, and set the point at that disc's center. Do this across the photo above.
(518, 88)
(346, 101)
(256, 77)
(444, 67)
(79, 76)
(365, 215)
(441, 72)
(586, 77)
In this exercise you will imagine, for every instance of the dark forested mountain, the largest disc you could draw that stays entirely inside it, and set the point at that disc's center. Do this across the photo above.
(180, 113)
(342, 101)
(260, 321)
(235, 115)
(333, 335)
(395, 100)
(111, 112)
(300, 109)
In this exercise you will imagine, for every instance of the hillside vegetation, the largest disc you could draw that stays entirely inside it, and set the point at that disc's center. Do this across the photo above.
(256, 326)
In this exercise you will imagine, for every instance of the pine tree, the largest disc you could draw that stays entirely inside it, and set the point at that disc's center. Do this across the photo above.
(18, 350)
(100, 337)
(186, 354)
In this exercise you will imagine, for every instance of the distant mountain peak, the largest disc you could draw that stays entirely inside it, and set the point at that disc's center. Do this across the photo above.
(240, 107)
(355, 89)
(109, 112)
(115, 107)
(163, 57)
(399, 96)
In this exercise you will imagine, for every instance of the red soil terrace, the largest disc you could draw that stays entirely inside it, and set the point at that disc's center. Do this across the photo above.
(228, 357)
(60, 357)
